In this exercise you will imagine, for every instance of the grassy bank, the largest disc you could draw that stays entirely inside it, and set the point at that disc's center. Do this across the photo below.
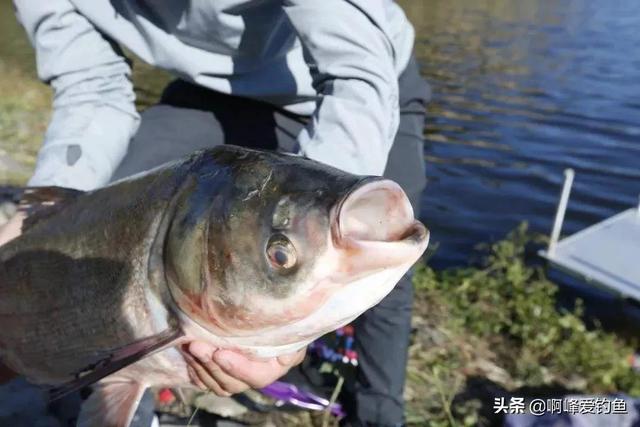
(494, 330)
(24, 113)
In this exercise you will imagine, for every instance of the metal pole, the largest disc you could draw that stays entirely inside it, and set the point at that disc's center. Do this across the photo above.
(561, 210)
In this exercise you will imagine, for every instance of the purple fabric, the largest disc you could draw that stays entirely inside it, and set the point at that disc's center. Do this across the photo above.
(289, 393)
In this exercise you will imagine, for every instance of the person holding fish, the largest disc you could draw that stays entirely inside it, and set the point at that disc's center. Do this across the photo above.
(334, 81)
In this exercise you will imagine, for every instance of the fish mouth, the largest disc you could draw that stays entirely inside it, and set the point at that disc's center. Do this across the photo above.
(376, 218)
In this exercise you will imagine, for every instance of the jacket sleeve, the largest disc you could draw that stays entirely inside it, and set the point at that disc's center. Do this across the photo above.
(94, 115)
(351, 59)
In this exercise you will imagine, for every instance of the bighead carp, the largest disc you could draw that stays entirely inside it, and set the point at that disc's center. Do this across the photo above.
(248, 250)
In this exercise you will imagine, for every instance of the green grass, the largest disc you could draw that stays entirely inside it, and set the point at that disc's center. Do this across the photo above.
(497, 327)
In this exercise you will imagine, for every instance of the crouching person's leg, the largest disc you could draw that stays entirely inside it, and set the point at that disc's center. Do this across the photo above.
(382, 333)
(382, 340)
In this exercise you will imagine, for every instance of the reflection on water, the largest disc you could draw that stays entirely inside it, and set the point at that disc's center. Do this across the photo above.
(523, 90)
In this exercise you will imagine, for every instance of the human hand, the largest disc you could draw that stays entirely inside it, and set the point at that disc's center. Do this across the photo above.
(226, 372)
(12, 228)
(9, 230)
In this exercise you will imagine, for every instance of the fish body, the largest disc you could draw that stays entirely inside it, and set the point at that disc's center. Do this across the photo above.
(248, 250)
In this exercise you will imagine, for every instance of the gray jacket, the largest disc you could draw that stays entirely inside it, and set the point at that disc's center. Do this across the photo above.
(337, 60)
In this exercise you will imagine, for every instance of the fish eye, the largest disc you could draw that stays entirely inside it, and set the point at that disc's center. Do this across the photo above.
(281, 253)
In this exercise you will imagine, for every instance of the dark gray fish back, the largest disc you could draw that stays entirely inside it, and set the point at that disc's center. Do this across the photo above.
(72, 286)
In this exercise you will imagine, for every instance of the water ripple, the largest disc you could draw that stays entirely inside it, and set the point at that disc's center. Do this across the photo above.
(522, 90)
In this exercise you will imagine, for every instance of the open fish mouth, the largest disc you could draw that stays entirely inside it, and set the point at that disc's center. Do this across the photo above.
(376, 218)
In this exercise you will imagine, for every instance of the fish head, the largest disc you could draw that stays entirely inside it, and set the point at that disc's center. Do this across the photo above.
(287, 249)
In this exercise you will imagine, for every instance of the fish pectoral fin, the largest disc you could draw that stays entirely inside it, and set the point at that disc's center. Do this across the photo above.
(112, 403)
(118, 359)
(41, 202)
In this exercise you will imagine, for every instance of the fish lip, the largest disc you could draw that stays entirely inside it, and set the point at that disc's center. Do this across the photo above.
(415, 238)
(415, 233)
(336, 229)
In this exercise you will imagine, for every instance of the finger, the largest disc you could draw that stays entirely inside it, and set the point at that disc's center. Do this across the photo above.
(255, 373)
(202, 376)
(224, 380)
(203, 352)
(195, 379)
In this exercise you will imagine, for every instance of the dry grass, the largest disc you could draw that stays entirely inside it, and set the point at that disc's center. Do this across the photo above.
(24, 114)
(25, 102)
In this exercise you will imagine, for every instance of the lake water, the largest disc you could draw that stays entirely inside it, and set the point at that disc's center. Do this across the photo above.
(521, 90)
